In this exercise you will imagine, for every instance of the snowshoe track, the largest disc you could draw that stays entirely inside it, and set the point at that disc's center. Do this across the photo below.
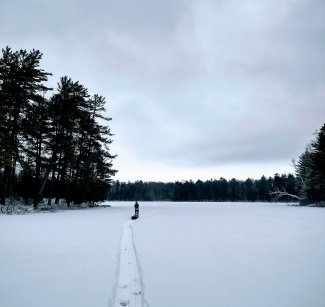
(129, 288)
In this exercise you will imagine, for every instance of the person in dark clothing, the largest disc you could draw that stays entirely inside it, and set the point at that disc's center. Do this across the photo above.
(136, 207)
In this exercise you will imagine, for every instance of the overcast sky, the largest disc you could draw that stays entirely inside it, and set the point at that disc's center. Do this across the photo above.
(197, 88)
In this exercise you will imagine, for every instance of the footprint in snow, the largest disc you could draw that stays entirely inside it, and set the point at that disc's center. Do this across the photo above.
(124, 303)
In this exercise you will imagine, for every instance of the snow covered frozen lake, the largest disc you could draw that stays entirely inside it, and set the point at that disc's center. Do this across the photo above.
(176, 254)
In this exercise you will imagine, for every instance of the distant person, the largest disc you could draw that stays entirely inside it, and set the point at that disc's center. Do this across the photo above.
(136, 207)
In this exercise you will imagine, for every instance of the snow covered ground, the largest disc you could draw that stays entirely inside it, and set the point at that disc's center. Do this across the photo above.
(65, 259)
(176, 254)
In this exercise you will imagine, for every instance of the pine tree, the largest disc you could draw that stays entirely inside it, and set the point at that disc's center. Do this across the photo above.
(66, 109)
(317, 192)
(35, 137)
(21, 82)
(310, 171)
(93, 168)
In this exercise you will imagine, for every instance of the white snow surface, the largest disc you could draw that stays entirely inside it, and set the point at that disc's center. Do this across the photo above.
(174, 255)
(129, 289)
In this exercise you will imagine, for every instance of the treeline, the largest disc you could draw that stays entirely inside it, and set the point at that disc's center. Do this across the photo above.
(55, 147)
(210, 190)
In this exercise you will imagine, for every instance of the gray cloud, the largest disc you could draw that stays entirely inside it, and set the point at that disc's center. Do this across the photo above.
(190, 83)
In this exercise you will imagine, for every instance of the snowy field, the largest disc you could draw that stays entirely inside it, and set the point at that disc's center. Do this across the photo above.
(175, 255)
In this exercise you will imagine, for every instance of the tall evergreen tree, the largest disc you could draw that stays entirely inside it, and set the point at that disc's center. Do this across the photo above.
(35, 137)
(310, 171)
(21, 82)
(65, 111)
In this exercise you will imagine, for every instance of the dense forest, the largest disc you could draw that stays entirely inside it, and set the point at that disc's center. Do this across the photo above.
(210, 190)
(51, 146)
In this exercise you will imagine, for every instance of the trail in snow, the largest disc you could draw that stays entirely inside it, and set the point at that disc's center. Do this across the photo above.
(129, 288)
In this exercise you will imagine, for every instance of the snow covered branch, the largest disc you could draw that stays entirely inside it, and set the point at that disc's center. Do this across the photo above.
(277, 194)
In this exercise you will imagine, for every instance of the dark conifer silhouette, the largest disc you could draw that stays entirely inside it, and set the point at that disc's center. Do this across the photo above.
(310, 171)
(210, 190)
(21, 84)
(56, 147)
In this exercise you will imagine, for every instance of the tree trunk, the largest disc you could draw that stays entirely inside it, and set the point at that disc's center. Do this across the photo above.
(5, 185)
(52, 188)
